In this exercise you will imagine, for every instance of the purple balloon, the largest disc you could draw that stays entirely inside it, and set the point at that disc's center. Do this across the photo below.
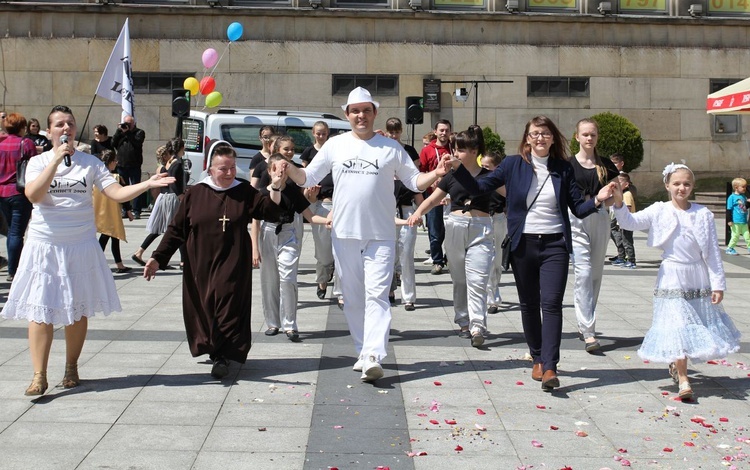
(210, 58)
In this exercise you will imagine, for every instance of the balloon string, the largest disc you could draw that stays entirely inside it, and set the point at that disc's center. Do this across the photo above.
(211, 74)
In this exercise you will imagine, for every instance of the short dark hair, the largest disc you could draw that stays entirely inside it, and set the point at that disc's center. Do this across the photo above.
(101, 129)
(393, 125)
(443, 121)
(108, 156)
(58, 109)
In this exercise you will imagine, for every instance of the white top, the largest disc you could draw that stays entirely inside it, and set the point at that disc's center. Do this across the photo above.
(66, 213)
(544, 216)
(363, 202)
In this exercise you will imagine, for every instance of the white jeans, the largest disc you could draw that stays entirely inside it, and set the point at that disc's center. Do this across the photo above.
(499, 230)
(278, 272)
(323, 248)
(468, 242)
(365, 268)
(590, 237)
(407, 239)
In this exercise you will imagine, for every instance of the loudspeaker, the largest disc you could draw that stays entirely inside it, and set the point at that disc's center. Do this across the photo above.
(180, 102)
(414, 110)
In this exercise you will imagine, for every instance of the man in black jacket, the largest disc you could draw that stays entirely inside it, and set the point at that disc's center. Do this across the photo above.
(128, 143)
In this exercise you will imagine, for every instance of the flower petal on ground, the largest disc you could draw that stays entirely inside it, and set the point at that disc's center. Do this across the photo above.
(536, 443)
(480, 412)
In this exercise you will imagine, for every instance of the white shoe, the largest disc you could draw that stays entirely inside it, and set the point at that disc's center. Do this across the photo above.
(371, 369)
(358, 365)
(428, 262)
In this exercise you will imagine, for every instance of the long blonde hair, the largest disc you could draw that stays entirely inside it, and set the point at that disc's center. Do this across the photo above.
(601, 172)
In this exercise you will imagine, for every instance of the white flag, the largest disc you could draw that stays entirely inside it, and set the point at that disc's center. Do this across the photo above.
(116, 84)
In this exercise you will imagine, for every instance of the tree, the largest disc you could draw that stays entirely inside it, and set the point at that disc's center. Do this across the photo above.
(492, 141)
(617, 135)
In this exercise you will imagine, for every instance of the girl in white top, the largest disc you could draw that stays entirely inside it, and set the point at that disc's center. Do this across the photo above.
(63, 277)
(689, 321)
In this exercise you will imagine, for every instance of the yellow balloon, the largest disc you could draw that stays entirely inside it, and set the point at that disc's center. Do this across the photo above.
(192, 84)
(213, 99)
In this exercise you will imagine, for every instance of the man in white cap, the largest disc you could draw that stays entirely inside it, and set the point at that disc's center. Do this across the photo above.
(363, 164)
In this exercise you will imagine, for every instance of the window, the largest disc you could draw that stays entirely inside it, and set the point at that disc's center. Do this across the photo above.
(158, 82)
(363, 3)
(382, 85)
(723, 124)
(558, 87)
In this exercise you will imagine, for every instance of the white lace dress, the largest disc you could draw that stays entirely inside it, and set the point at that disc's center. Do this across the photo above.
(685, 324)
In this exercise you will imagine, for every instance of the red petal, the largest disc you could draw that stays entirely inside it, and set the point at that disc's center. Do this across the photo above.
(667, 449)
(688, 444)
(712, 362)
(434, 421)
(622, 451)
(640, 410)
(519, 383)
(458, 449)
(438, 383)
(450, 421)
(541, 407)
(665, 393)
(480, 412)
(554, 428)
(423, 453)
(724, 420)
(488, 382)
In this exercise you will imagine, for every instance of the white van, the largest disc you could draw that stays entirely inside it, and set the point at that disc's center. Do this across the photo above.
(240, 127)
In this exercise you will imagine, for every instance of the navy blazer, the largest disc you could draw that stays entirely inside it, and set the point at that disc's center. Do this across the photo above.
(516, 175)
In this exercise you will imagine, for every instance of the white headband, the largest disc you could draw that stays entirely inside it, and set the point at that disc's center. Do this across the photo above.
(672, 167)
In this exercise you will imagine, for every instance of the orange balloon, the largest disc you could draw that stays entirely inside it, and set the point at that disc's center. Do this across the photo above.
(207, 85)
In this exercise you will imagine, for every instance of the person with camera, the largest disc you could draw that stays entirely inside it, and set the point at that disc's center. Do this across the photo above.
(128, 143)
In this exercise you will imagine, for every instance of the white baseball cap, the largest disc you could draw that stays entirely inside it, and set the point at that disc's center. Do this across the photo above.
(359, 95)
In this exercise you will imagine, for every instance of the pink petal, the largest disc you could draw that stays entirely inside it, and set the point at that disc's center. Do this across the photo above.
(480, 427)
(488, 382)
(665, 393)
(622, 451)
(519, 383)
(640, 410)
(338, 427)
(450, 421)
(647, 439)
(724, 420)
(536, 443)
(480, 412)
(434, 421)
(688, 444)
(541, 407)
(422, 415)
(581, 433)
(625, 462)
(697, 419)
(712, 362)
(437, 384)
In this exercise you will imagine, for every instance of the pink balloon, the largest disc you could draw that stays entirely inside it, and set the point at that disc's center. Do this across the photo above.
(207, 85)
(210, 58)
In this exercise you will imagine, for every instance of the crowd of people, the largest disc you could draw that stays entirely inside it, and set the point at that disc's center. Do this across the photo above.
(365, 193)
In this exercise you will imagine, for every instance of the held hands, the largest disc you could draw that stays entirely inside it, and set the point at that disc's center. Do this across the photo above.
(149, 271)
(617, 195)
(605, 194)
(445, 165)
(717, 296)
(278, 173)
(311, 193)
(413, 220)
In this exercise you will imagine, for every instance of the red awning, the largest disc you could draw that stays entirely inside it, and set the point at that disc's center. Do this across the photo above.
(734, 99)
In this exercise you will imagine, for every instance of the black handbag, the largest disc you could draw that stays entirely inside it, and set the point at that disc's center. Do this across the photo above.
(505, 245)
(21, 171)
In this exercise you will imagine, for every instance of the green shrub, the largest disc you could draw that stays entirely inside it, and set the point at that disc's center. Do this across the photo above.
(616, 135)
(492, 141)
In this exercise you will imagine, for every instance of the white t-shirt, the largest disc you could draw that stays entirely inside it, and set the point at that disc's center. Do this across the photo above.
(364, 204)
(544, 216)
(66, 213)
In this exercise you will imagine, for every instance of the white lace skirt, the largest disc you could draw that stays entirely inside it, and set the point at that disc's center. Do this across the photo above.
(163, 212)
(60, 284)
(686, 324)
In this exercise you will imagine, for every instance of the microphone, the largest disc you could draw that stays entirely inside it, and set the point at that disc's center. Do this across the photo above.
(66, 157)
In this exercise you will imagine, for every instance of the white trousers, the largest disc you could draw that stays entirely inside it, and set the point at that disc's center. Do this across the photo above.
(469, 243)
(499, 230)
(590, 237)
(365, 268)
(324, 264)
(407, 239)
(278, 272)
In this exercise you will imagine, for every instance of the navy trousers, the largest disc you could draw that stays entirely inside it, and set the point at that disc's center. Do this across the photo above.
(540, 268)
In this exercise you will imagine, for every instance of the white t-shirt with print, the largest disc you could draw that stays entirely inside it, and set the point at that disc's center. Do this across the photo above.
(66, 213)
(364, 204)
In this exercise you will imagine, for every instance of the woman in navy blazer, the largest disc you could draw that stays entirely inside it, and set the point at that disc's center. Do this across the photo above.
(540, 188)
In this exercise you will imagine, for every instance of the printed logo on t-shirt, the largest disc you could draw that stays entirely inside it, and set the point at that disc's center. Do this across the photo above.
(361, 166)
(67, 185)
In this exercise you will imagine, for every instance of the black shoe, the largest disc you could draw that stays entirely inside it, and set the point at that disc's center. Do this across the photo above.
(272, 332)
(137, 216)
(392, 298)
(409, 306)
(293, 336)
(138, 260)
(220, 368)
(321, 292)
(126, 269)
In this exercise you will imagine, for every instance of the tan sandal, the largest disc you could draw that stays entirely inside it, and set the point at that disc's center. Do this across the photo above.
(686, 393)
(38, 385)
(71, 378)
(673, 372)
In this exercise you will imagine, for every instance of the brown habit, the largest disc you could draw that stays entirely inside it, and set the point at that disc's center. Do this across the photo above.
(217, 278)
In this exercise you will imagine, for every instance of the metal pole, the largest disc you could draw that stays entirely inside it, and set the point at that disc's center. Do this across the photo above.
(476, 102)
(412, 134)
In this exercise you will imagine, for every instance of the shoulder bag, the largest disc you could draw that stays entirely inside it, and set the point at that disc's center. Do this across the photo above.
(21, 170)
(505, 245)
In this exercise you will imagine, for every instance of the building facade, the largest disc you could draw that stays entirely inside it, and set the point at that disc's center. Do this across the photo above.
(568, 59)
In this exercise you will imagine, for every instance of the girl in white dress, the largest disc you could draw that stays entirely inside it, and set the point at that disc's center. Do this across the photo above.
(689, 320)
(63, 277)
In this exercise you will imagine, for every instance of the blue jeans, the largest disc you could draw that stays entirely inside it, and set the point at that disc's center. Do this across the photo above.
(436, 233)
(17, 212)
(535, 258)
(131, 176)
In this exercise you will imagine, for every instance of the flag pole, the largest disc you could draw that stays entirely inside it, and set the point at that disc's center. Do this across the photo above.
(85, 121)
